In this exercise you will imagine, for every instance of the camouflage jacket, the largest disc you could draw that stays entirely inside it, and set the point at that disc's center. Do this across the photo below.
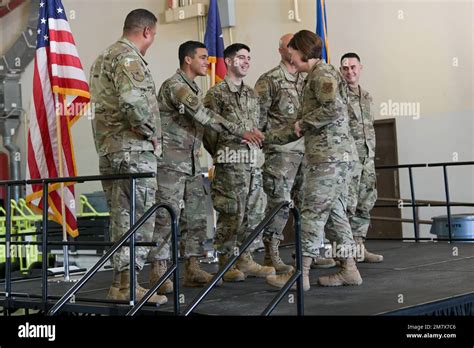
(361, 121)
(323, 118)
(280, 92)
(124, 98)
(240, 106)
(183, 120)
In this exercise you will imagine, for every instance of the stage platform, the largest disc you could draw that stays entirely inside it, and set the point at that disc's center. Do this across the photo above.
(426, 278)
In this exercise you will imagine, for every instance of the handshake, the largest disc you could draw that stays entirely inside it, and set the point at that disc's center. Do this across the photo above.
(256, 138)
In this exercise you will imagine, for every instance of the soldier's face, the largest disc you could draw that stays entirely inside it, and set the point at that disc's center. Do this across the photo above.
(350, 70)
(240, 64)
(285, 54)
(297, 60)
(199, 63)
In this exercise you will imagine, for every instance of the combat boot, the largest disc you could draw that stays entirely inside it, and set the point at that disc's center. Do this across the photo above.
(280, 280)
(233, 274)
(114, 291)
(364, 254)
(322, 262)
(139, 291)
(272, 256)
(194, 276)
(157, 270)
(249, 267)
(348, 275)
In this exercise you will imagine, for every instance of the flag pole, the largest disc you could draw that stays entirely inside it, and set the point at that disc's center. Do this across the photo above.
(213, 74)
(61, 102)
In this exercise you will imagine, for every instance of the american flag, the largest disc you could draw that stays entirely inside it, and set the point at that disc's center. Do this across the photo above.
(60, 96)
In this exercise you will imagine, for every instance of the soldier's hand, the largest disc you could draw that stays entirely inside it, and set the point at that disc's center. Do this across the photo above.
(298, 130)
(255, 138)
(257, 132)
(155, 143)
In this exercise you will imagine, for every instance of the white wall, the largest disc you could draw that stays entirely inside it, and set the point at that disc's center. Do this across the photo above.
(408, 57)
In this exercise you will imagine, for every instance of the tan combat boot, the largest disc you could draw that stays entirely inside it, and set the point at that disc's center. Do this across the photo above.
(272, 256)
(139, 291)
(322, 262)
(365, 255)
(194, 276)
(114, 291)
(348, 275)
(250, 268)
(279, 280)
(157, 270)
(233, 274)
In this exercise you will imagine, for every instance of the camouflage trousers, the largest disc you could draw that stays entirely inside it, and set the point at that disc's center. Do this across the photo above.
(118, 197)
(324, 208)
(239, 199)
(106, 169)
(185, 193)
(283, 180)
(362, 196)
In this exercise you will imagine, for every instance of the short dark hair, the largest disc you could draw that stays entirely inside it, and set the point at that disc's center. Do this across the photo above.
(232, 50)
(188, 49)
(139, 19)
(350, 55)
(308, 43)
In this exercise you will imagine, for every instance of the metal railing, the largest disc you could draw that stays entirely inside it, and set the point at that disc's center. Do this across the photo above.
(132, 177)
(131, 235)
(296, 277)
(414, 205)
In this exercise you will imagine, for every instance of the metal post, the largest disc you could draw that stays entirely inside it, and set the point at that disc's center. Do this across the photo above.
(174, 232)
(8, 263)
(299, 262)
(132, 241)
(413, 205)
(66, 262)
(44, 271)
(448, 207)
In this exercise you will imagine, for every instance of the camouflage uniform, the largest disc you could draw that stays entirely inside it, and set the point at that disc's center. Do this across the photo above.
(180, 183)
(279, 93)
(362, 189)
(237, 190)
(330, 153)
(124, 126)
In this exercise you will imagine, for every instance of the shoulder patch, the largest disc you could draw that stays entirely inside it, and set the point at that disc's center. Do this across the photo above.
(327, 92)
(135, 69)
(187, 97)
(192, 100)
(327, 87)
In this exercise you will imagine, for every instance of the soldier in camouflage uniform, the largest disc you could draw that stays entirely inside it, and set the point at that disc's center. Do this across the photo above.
(330, 152)
(362, 189)
(180, 182)
(237, 186)
(126, 138)
(280, 90)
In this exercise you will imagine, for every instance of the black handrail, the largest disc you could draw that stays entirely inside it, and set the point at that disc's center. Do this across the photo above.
(448, 204)
(297, 276)
(421, 165)
(44, 182)
(231, 261)
(173, 269)
(451, 164)
(72, 291)
(84, 243)
(425, 205)
(78, 179)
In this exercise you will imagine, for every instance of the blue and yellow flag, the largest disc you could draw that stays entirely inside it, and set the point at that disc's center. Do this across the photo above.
(322, 29)
(214, 42)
